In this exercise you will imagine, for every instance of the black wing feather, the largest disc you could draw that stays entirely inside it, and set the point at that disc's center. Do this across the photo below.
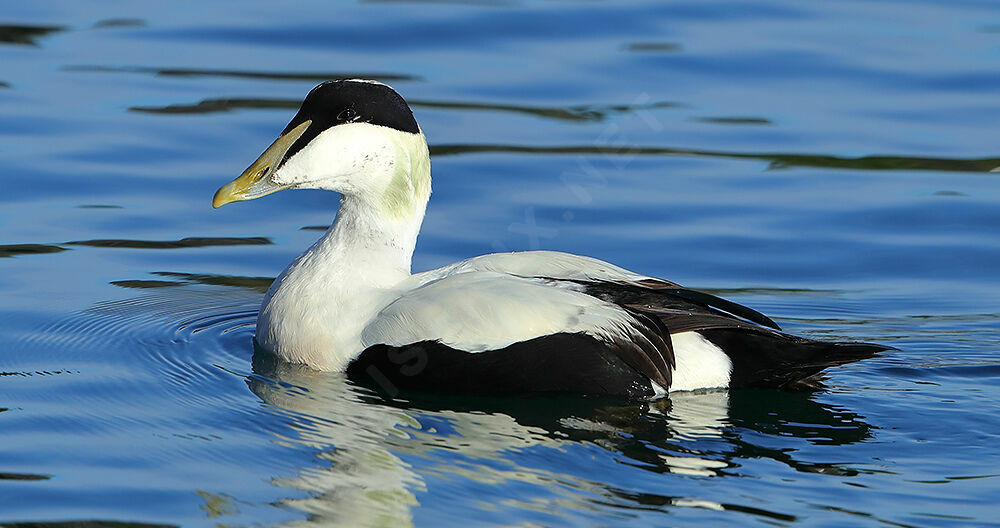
(761, 355)
(709, 300)
(686, 309)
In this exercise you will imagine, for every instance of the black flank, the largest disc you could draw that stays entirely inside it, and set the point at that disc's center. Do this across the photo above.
(564, 362)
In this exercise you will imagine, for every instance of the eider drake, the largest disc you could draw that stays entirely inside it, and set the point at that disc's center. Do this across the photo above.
(514, 323)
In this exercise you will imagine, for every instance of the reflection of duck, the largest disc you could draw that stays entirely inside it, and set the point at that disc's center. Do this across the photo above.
(374, 458)
(377, 460)
(535, 321)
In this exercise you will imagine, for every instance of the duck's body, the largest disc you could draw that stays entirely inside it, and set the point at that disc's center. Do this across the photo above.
(525, 322)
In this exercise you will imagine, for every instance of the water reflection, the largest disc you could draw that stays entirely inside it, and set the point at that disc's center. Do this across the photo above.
(176, 278)
(120, 23)
(26, 35)
(187, 242)
(582, 113)
(357, 480)
(378, 457)
(11, 250)
(658, 47)
(209, 106)
(23, 476)
(661, 502)
(569, 113)
(734, 120)
(598, 113)
(777, 160)
(246, 74)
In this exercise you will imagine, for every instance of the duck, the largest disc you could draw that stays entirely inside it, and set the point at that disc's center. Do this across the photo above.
(529, 322)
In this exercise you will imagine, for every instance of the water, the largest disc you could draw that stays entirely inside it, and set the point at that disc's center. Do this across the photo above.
(828, 165)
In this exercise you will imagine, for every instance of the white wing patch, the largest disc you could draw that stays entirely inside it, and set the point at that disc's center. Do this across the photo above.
(483, 310)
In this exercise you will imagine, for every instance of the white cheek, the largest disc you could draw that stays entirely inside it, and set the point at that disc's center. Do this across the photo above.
(343, 159)
(295, 170)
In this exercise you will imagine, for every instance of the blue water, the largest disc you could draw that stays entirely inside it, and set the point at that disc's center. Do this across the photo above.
(827, 164)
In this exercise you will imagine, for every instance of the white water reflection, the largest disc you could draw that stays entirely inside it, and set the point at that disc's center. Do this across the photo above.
(365, 449)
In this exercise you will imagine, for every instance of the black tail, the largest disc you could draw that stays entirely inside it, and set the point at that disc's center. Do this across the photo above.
(783, 361)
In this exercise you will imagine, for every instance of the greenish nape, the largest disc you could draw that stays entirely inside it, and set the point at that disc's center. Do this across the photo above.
(410, 186)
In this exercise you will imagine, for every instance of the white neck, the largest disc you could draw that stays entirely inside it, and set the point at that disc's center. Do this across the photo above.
(367, 244)
(315, 310)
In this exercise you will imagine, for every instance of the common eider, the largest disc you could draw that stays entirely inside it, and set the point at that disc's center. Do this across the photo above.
(507, 323)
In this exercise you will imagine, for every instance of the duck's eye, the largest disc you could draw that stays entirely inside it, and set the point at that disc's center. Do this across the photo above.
(346, 114)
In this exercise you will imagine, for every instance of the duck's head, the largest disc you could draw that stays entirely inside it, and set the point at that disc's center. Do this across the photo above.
(355, 137)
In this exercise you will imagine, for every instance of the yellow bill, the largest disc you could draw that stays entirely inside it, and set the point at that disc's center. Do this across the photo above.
(255, 181)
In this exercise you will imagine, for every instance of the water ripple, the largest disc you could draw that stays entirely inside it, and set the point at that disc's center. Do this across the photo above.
(777, 160)
(570, 113)
(245, 74)
(181, 333)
